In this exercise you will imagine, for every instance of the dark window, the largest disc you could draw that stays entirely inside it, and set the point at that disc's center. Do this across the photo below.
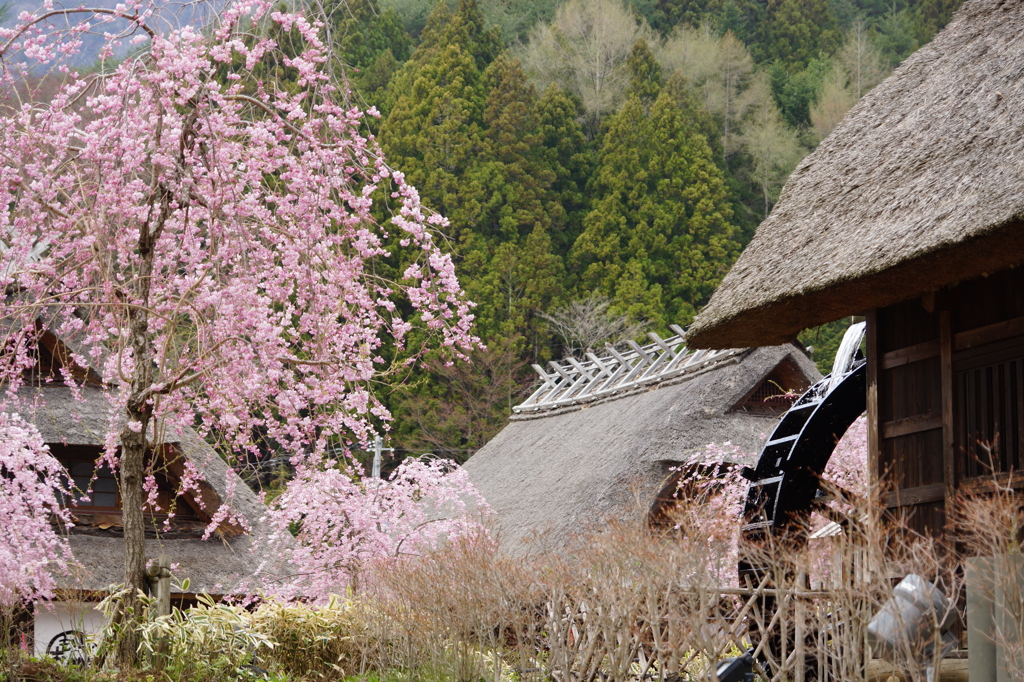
(777, 391)
(102, 482)
(96, 489)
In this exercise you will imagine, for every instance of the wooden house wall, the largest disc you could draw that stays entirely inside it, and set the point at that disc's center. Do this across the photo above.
(946, 394)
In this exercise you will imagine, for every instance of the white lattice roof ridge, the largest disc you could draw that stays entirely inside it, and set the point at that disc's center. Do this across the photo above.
(573, 381)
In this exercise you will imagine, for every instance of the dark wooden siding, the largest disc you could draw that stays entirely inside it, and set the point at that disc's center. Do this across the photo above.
(949, 383)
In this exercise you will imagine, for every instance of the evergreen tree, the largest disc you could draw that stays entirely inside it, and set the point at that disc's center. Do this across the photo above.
(473, 144)
(359, 32)
(671, 13)
(933, 15)
(659, 238)
(462, 28)
(465, 27)
(896, 34)
(373, 81)
(511, 284)
(509, 261)
(433, 134)
(797, 31)
(742, 18)
(644, 73)
(569, 157)
(511, 164)
(795, 92)
(697, 115)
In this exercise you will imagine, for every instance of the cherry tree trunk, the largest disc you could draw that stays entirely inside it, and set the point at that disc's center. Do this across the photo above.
(133, 448)
(134, 444)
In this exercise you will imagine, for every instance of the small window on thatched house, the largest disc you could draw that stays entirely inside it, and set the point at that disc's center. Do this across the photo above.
(774, 394)
(96, 490)
(687, 487)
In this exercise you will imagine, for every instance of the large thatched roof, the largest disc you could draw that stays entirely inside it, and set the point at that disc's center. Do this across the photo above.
(555, 472)
(920, 186)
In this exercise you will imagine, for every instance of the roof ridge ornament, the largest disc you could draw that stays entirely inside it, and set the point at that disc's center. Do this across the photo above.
(576, 381)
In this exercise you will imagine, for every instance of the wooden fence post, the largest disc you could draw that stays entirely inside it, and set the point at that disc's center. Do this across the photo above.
(159, 578)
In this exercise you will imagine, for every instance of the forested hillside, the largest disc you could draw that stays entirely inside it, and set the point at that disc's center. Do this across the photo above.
(601, 164)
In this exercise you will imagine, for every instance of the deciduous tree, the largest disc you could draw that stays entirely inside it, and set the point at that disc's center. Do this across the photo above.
(586, 324)
(462, 406)
(835, 99)
(774, 150)
(861, 59)
(33, 549)
(350, 526)
(584, 50)
(721, 70)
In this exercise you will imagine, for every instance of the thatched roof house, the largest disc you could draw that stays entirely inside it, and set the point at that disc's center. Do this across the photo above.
(912, 214)
(921, 185)
(75, 427)
(600, 438)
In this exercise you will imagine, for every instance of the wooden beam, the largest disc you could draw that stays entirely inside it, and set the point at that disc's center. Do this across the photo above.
(990, 483)
(910, 496)
(904, 356)
(872, 401)
(946, 378)
(909, 425)
(988, 334)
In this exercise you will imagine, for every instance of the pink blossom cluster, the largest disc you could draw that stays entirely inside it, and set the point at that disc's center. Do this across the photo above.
(714, 494)
(33, 546)
(347, 527)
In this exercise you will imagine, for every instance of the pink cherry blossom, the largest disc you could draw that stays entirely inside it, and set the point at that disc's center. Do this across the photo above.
(349, 526)
(33, 546)
(714, 511)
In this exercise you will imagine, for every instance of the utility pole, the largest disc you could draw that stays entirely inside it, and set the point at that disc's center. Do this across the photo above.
(377, 450)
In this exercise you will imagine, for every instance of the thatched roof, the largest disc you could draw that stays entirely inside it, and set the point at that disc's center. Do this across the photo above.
(919, 187)
(215, 566)
(555, 472)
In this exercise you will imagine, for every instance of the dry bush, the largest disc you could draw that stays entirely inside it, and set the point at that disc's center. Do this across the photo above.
(465, 612)
(629, 603)
(624, 602)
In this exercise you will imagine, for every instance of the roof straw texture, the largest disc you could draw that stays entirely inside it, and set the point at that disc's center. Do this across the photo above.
(920, 186)
(552, 475)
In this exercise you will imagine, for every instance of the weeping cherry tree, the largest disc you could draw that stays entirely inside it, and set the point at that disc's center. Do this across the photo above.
(203, 237)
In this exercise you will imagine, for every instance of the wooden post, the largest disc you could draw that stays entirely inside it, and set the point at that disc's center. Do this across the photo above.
(874, 442)
(948, 464)
(159, 578)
